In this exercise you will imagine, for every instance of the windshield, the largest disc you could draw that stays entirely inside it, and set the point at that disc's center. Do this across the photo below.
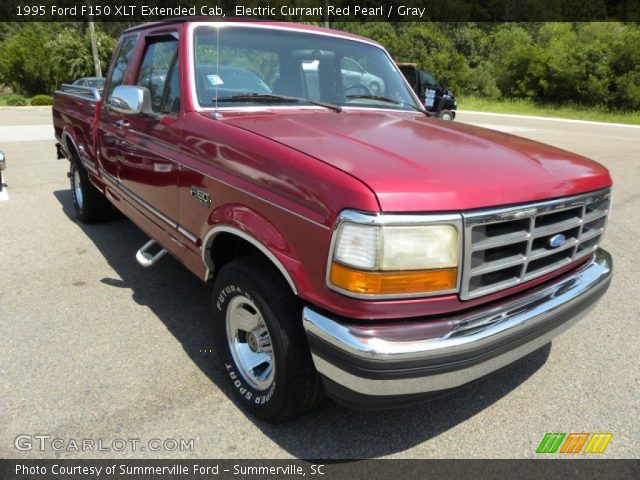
(244, 61)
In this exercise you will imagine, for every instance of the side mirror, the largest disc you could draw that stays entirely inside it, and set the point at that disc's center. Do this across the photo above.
(3, 162)
(131, 100)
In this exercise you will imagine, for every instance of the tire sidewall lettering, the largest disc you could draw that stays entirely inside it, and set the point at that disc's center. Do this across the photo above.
(226, 294)
(262, 399)
(245, 391)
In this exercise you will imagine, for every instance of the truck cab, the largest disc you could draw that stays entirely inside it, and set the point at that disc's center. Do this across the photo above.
(353, 246)
(434, 95)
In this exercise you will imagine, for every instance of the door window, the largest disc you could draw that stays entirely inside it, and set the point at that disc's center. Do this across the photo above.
(159, 73)
(122, 61)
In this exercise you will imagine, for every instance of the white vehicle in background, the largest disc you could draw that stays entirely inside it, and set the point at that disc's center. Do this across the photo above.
(353, 74)
(94, 82)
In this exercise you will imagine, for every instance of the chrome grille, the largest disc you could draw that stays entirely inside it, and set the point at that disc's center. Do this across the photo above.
(507, 246)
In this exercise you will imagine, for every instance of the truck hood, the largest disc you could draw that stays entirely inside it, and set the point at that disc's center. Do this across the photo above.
(415, 163)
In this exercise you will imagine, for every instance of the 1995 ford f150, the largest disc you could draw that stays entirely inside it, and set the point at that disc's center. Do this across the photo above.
(354, 246)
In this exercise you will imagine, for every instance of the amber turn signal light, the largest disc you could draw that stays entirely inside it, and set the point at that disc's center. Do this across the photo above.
(393, 283)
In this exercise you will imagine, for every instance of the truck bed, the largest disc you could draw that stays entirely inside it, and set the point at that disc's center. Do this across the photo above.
(74, 109)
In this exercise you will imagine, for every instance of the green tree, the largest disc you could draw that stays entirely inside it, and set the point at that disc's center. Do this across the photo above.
(38, 57)
(520, 65)
(25, 60)
(71, 54)
(625, 67)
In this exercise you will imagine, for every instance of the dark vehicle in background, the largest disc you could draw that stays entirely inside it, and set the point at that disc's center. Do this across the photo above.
(3, 165)
(94, 82)
(434, 95)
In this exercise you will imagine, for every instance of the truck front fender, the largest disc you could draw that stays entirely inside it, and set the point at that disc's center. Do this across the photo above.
(252, 227)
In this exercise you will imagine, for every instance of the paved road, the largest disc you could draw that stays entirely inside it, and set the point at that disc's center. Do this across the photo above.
(93, 346)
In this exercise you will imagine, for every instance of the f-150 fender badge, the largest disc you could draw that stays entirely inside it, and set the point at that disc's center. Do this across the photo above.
(204, 198)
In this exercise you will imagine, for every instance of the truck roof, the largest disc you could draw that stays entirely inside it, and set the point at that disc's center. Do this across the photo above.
(279, 25)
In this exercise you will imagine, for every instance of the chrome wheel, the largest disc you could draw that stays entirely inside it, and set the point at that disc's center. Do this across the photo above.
(77, 188)
(250, 342)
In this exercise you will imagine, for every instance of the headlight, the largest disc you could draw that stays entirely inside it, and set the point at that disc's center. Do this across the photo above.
(395, 256)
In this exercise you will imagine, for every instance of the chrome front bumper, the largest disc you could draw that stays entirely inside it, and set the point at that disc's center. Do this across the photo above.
(377, 365)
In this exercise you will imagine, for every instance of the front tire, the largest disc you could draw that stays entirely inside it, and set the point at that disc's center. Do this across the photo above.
(446, 115)
(90, 205)
(261, 342)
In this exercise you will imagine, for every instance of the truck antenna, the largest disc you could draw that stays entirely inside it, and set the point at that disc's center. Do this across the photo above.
(217, 67)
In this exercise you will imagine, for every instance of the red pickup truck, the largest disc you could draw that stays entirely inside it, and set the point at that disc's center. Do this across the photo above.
(354, 245)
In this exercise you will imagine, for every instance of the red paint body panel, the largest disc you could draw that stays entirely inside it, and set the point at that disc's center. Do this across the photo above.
(419, 164)
(73, 121)
(283, 175)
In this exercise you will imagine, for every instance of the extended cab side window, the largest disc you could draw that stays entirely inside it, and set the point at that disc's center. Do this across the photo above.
(120, 66)
(159, 73)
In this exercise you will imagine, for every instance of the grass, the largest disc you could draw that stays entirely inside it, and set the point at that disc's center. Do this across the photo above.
(3, 100)
(527, 107)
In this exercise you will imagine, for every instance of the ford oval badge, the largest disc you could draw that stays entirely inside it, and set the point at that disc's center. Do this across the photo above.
(557, 240)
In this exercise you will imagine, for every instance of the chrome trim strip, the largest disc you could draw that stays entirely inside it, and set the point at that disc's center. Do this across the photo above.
(495, 324)
(434, 383)
(363, 218)
(138, 200)
(92, 93)
(527, 210)
(122, 188)
(188, 234)
(208, 241)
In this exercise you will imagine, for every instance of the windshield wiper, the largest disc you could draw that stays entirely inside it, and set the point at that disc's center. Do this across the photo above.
(387, 100)
(377, 97)
(270, 97)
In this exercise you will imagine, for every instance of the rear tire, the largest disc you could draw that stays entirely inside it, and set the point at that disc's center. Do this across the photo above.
(90, 205)
(260, 341)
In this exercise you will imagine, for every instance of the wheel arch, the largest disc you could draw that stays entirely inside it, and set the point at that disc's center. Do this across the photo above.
(221, 238)
(69, 144)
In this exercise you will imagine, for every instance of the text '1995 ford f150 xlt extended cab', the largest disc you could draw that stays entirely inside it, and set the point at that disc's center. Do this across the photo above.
(354, 246)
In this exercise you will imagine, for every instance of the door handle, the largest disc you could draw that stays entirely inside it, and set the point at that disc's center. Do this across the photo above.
(122, 124)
